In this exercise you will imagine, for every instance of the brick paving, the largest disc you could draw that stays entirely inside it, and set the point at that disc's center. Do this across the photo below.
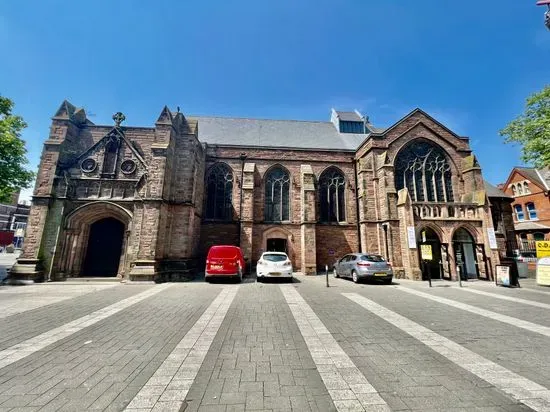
(257, 358)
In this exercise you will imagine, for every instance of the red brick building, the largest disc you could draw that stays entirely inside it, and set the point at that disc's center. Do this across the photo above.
(530, 189)
(147, 202)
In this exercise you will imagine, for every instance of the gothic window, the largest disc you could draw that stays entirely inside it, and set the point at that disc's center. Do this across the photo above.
(110, 158)
(526, 189)
(423, 168)
(219, 192)
(277, 195)
(514, 191)
(331, 196)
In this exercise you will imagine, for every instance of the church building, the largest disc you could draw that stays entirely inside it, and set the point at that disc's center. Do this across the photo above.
(146, 203)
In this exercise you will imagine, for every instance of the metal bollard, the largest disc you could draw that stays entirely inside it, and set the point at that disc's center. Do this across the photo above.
(459, 275)
(326, 274)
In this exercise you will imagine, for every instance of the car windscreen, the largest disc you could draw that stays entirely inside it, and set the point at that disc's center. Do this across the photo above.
(372, 258)
(274, 258)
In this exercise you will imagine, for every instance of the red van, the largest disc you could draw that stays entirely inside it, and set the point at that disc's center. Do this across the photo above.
(224, 261)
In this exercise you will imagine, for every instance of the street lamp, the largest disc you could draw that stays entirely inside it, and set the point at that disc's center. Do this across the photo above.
(243, 158)
(547, 14)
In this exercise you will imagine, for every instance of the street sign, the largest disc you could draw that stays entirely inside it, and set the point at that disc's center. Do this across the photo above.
(543, 248)
(543, 271)
(502, 275)
(426, 252)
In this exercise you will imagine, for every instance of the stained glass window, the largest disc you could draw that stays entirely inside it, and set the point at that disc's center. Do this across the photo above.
(277, 195)
(423, 168)
(331, 196)
(219, 192)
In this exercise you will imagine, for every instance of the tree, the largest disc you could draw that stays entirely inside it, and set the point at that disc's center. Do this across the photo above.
(532, 129)
(13, 174)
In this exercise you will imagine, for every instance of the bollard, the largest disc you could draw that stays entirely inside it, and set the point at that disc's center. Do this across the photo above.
(326, 274)
(459, 275)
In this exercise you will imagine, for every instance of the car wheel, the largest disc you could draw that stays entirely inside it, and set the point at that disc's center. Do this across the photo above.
(354, 277)
(336, 275)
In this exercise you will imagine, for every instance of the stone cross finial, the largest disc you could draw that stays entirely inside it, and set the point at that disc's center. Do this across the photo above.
(118, 117)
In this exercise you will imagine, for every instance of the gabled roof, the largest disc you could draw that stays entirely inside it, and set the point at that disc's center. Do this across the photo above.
(349, 116)
(540, 177)
(493, 191)
(275, 133)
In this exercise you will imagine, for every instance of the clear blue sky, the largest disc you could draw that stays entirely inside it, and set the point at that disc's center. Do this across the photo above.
(468, 63)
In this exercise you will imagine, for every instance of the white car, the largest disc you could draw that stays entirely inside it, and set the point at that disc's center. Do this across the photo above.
(274, 265)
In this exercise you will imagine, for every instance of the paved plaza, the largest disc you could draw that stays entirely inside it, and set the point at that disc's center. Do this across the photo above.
(300, 346)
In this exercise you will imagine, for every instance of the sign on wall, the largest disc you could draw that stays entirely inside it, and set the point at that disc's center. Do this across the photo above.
(426, 252)
(411, 236)
(543, 248)
(543, 271)
(492, 238)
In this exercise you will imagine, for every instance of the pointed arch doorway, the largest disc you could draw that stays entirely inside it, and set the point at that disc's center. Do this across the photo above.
(465, 254)
(429, 254)
(104, 249)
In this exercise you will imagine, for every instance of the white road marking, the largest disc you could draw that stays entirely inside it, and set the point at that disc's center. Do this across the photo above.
(167, 388)
(347, 386)
(523, 324)
(35, 296)
(32, 345)
(509, 298)
(522, 389)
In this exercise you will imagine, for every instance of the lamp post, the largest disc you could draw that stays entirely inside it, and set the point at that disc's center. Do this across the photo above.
(547, 14)
(243, 158)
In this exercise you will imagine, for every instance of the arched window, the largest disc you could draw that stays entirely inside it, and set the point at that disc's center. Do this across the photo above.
(526, 189)
(538, 236)
(520, 189)
(219, 192)
(277, 195)
(423, 168)
(514, 191)
(519, 212)
(331, 195)
(532, 211)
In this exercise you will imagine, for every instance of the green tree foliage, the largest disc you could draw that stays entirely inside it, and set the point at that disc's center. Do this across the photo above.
(532, 129)
(13, 174)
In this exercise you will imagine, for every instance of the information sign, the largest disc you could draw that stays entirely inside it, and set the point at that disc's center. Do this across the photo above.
(411, 235)
(543, 271)
(426, 252)
(492, 238)
(503, 275)
(543, 248)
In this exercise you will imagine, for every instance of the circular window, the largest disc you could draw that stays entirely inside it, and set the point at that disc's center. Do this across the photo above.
(88, 165)
(128, 166)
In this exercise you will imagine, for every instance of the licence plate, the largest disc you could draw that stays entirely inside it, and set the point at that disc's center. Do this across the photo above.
(275, 273)
(216, 267)
(379, 274)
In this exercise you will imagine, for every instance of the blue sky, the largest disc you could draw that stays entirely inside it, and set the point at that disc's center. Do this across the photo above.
(468, 63)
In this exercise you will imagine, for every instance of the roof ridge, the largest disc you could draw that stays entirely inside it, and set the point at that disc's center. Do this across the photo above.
(260, 118)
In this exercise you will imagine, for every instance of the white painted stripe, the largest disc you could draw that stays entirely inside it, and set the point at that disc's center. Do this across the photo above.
(32, 345)
(43, 295)
(167, 388)
(347, 386)
(523, 324)
(509, 298)
(522, 389)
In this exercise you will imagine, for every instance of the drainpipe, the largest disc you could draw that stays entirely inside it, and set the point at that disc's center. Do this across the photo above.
(357, 203)
(243, 158)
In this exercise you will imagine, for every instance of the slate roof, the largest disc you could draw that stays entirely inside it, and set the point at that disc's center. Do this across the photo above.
(542, 178)
(493, 191)
(349, 116)
(530, 226)
(275, 133)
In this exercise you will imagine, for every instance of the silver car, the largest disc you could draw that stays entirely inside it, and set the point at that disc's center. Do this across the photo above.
(360, 266)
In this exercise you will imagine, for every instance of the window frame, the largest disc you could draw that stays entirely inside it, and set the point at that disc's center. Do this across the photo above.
(326, 180)
(518, 211)
(284, 180)
(531, 211)
(219, 168)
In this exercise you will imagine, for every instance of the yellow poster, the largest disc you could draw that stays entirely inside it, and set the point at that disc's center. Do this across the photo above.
(543, 248)
(426, 252)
